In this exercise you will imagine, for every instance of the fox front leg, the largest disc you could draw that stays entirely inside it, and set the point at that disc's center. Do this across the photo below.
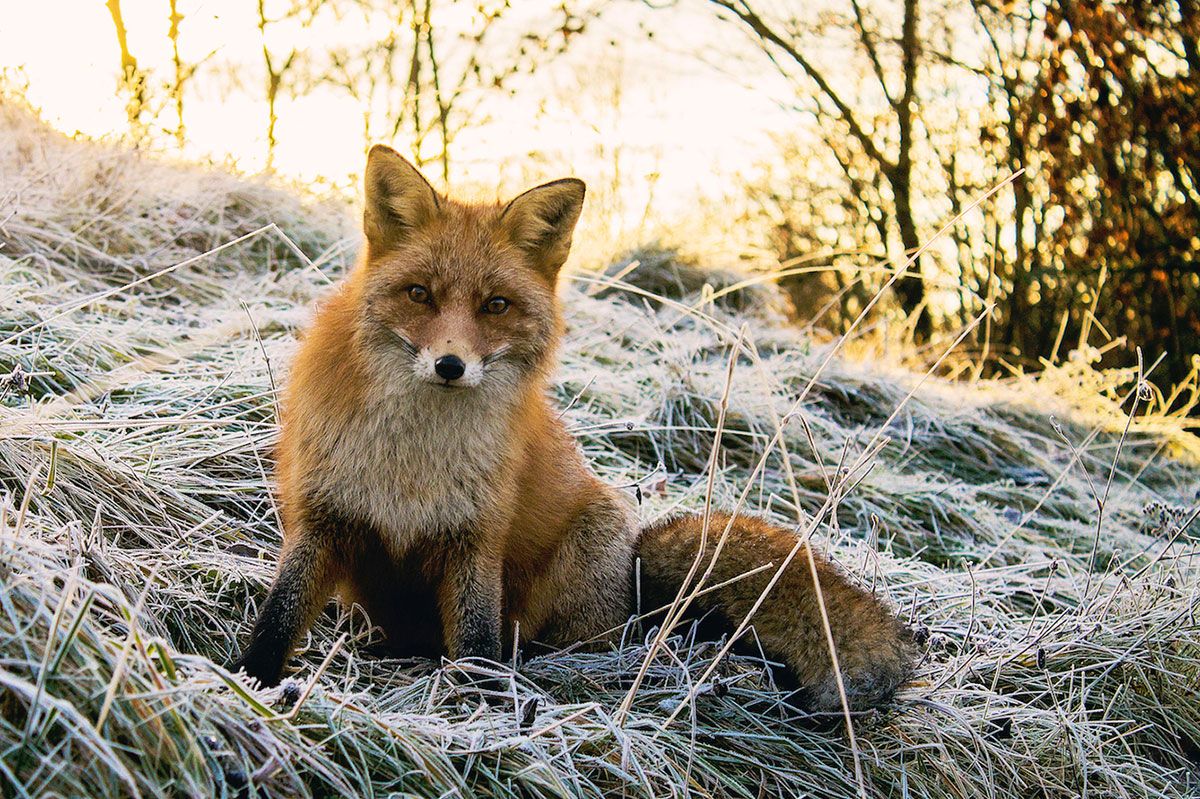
(300, 590)
(470, 602)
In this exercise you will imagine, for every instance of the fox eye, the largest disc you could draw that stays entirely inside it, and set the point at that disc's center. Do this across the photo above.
(496, 305)
(418, 294)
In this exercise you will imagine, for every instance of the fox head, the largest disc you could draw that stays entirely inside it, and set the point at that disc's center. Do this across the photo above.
(458, 296)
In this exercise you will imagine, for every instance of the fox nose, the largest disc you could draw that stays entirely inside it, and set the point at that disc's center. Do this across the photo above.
(449, 367)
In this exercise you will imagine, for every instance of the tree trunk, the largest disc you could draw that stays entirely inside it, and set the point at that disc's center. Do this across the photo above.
(132, 79)
(910, 290)
(180, 73)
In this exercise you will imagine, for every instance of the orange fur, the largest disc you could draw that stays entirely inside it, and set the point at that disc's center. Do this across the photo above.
(874, 649)
(423, 474)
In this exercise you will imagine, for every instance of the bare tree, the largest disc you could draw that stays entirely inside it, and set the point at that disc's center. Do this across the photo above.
(133, 78)
(182, 73)
(887, 144)
(429, 82)
(277, 67)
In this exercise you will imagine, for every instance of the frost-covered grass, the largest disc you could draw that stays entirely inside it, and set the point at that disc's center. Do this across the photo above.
(1042, 549)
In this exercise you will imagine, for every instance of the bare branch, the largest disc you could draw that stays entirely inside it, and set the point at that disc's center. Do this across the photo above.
(869, 45)
(770, 36)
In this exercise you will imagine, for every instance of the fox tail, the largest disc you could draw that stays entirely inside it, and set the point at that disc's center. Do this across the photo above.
(875, 650)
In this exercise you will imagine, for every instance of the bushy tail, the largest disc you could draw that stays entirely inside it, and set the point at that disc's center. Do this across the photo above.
(875, 650)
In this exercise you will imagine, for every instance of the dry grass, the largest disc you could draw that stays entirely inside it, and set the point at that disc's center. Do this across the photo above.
(137, 533)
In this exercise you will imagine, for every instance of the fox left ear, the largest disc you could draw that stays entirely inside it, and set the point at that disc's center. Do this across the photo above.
(541, 222)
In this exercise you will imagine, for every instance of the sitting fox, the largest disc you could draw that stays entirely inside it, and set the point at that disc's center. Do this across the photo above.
(424, 475)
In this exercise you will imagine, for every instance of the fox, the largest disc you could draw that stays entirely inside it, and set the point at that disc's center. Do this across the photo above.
(423, 474)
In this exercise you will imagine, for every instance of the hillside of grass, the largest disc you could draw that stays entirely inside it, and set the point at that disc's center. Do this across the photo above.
(1040, 541)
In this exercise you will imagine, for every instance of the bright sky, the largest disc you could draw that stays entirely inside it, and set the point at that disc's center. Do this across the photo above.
(679, 124)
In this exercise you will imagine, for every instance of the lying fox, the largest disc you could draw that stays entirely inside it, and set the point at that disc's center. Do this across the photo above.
(424, 475)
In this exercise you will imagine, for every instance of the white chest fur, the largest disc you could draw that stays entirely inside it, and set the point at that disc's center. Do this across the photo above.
(418, 464)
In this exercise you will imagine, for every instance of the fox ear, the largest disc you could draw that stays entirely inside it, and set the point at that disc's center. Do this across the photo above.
(399, 199)
(541, 222)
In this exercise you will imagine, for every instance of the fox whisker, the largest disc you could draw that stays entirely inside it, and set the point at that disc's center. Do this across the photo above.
(409, 348)
(492, 357)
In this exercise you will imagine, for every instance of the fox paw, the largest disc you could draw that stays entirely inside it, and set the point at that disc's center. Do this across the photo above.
(265, 674)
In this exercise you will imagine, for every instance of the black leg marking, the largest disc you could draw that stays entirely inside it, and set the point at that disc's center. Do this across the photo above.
(303, 585)
(299, 591)
(471, 605)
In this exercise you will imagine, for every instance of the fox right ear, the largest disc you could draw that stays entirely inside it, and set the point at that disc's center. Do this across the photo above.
(399, 199)
(542, 220)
